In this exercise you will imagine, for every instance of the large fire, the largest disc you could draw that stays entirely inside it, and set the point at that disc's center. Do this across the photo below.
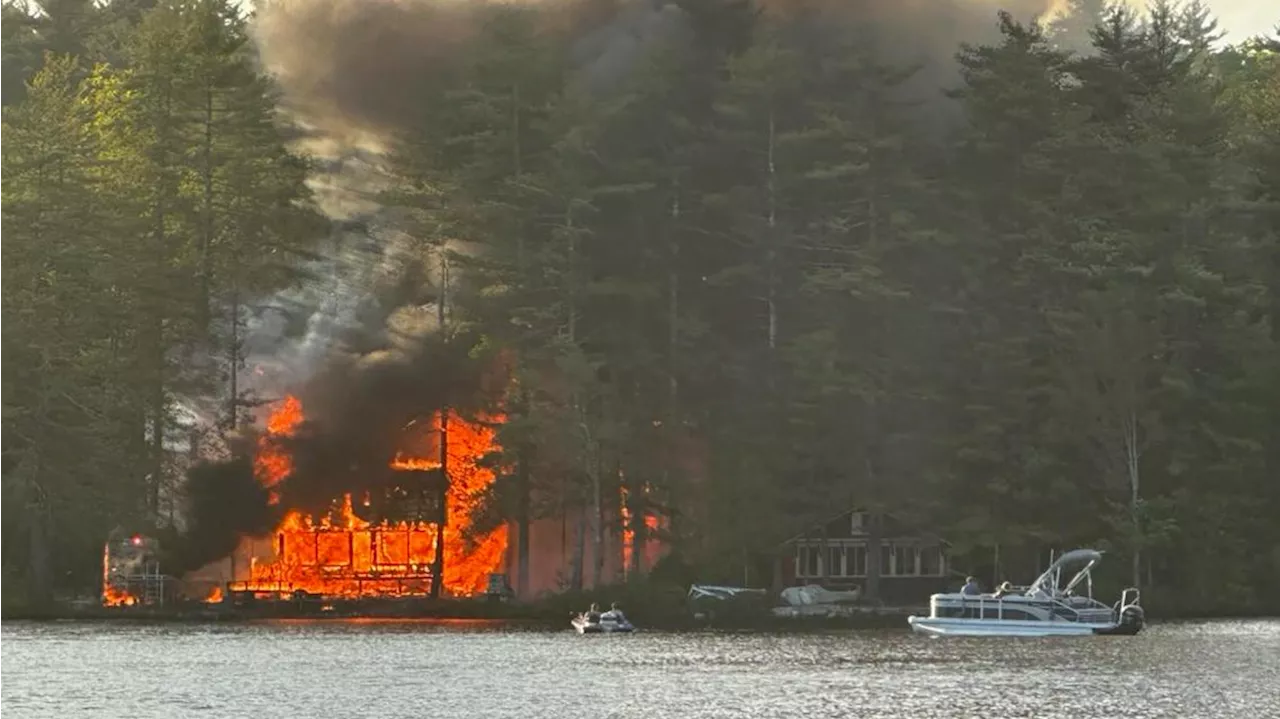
(342, 555)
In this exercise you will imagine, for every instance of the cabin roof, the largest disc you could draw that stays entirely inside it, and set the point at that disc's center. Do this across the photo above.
(838, 525)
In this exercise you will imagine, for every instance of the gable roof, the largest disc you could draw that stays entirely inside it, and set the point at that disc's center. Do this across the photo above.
(902, 527)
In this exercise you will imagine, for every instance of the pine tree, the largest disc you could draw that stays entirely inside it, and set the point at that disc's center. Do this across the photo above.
(22, 49)
(1005, 189)
(67, 455)
(1072, 30)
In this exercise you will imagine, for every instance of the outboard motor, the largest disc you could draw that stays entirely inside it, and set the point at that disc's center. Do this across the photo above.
(1132, 619)
(1130, 622)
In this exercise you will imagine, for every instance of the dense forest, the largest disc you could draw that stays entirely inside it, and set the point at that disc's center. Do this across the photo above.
(1027, 295)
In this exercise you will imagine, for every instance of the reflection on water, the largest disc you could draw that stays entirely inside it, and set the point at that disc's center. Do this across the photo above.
(385, 669)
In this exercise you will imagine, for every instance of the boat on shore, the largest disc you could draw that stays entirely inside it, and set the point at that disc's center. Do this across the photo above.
(1045, 608)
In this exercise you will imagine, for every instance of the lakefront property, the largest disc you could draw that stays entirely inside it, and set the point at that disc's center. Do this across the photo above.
(837, 554)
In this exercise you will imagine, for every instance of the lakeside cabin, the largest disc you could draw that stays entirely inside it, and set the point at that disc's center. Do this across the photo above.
(833, 554)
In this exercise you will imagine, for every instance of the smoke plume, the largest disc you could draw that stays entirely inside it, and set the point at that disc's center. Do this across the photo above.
(359, 65)
(356, 340)
(354, 74)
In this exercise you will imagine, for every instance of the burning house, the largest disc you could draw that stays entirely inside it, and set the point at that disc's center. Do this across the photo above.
(387, 541)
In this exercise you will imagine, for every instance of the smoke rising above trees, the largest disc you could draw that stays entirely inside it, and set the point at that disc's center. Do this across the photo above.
(380, 58)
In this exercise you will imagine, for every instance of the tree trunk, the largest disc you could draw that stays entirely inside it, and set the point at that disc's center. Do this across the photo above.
(824, 560)
(636, 511)
(523, 512)
(158, 412)
(206, 229)
(875, 535)
(39, 586)
(233, 362)
(442, 520)
(1132, 454)
(669, 429)
(771, 290)
(597, 525)
(579, 549)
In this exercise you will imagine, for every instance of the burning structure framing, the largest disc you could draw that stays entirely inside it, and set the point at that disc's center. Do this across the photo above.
(394, 541)
(346, 555)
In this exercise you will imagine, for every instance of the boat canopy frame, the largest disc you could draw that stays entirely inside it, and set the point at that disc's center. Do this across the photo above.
(1048, 585)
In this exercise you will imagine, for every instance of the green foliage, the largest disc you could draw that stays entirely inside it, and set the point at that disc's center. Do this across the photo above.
(142, 201)
(1051, 327)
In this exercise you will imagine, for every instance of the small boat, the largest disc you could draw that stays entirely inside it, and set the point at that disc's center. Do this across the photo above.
(1046, 608)
(608, 623)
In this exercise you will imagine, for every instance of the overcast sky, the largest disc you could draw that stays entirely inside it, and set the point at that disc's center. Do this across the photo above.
(1243, 19)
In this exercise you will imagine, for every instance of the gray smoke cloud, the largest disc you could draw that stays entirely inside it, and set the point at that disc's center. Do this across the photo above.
(354, 72)
(357, 67)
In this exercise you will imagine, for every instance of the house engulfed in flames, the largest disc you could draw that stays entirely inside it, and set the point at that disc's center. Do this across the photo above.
(342, 555)
(353, 552)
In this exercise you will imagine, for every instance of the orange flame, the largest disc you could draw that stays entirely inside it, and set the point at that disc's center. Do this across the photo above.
(215, 596)
(648, 546)
(273, 463)
(111, 596)
(342, 555)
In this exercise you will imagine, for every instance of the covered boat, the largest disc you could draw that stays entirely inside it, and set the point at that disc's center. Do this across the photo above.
(1046, 608)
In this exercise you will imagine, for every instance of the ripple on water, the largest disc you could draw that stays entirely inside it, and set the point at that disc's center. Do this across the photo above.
(429, 669)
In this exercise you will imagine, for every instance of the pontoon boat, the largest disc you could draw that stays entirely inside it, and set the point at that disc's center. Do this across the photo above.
(1046, 608)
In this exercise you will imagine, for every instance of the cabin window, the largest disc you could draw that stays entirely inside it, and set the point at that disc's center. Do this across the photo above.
(858, 522)
(931, 562)
(835, 562)
(856, 561)
(807, 561)
(904, 561)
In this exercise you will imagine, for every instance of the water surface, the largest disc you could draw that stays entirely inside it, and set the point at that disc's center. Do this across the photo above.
(389, 669)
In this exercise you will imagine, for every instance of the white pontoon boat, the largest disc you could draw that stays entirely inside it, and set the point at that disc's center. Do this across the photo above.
(1046, 608)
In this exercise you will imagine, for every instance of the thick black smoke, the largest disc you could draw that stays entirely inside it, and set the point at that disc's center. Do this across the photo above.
(360, 412)
(224, 503)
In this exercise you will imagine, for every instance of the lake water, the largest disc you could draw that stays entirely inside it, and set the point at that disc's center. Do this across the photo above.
(390, 669)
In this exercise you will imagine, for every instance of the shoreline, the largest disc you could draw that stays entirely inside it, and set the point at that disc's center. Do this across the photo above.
(549, 613)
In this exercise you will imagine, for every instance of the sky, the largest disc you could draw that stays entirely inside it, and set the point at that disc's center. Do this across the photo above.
(1242, 19)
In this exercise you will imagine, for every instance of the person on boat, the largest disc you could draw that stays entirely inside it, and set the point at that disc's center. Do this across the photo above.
(614, 613)
(971, 588)
(593, 614)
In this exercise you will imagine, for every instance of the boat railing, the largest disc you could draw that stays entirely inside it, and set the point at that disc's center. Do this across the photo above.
(1128, 598)
(1058, 609)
